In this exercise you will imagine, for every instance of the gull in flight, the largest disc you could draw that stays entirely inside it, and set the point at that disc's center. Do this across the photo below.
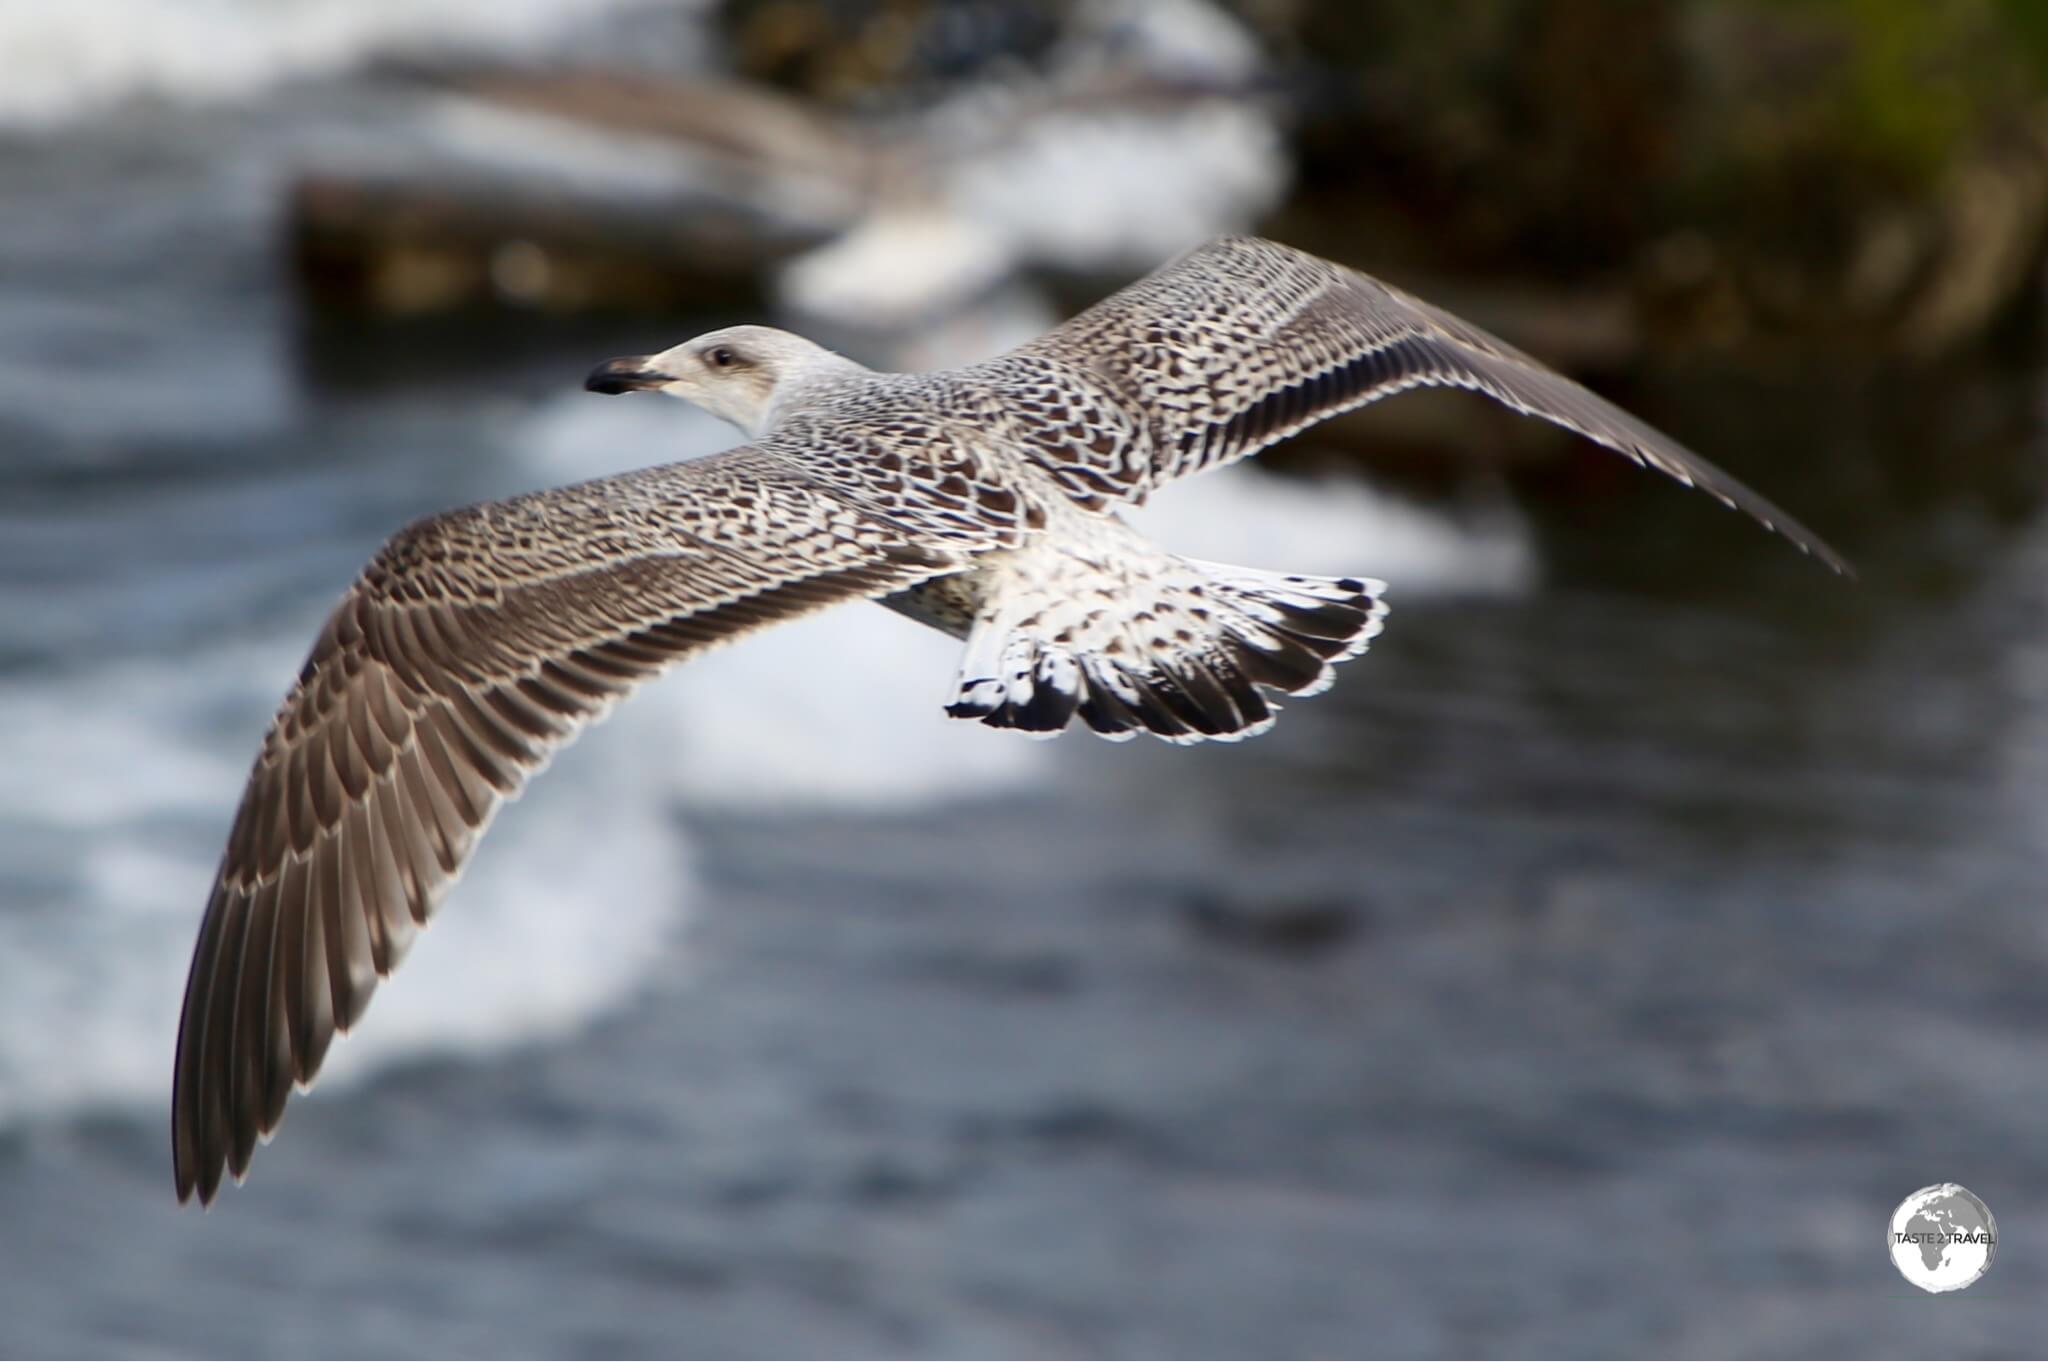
(981, 501)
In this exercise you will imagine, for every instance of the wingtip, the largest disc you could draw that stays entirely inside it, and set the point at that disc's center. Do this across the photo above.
(195, 1177)
(192, 1187)
(1821, 553)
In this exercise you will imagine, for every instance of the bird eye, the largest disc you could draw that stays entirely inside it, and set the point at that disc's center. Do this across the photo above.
(722, 357)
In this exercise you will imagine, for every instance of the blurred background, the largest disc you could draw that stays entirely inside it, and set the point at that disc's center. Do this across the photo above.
(1590, 973)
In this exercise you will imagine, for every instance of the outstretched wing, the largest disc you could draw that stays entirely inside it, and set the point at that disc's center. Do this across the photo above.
(1242, 342)
(474, 645)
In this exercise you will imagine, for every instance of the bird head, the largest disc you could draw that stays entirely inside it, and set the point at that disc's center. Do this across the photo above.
(736, 374)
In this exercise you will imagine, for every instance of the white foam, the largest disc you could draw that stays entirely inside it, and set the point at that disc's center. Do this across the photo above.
(1061, 187)
(900, 266)
(586, 881)
(115, 798)
(66, 60)
(1002, 176)
(1339, 526)
(1053, 189)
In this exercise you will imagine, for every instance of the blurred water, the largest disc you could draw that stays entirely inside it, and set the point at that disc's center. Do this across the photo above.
(1590, 972)
(64, 63)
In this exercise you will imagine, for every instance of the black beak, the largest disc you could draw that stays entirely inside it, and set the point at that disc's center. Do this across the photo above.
(624, 376)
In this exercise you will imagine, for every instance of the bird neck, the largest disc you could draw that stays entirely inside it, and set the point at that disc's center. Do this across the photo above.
(816, 380)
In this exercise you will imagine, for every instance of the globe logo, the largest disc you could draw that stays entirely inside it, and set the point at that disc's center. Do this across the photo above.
(1942, 1237)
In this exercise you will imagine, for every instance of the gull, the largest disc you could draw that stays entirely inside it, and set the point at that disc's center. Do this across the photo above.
(982, 501)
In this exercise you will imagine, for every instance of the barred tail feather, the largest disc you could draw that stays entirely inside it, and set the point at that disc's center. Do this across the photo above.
(1198, 656)
(1329, 619)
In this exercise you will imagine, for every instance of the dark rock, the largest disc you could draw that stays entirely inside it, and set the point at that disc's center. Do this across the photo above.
(1300, 926)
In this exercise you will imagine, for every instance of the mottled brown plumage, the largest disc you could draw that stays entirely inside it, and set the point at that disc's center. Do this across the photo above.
(1242, 343)
(979, 500)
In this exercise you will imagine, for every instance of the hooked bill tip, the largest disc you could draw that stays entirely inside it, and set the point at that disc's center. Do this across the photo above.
(624, 375)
